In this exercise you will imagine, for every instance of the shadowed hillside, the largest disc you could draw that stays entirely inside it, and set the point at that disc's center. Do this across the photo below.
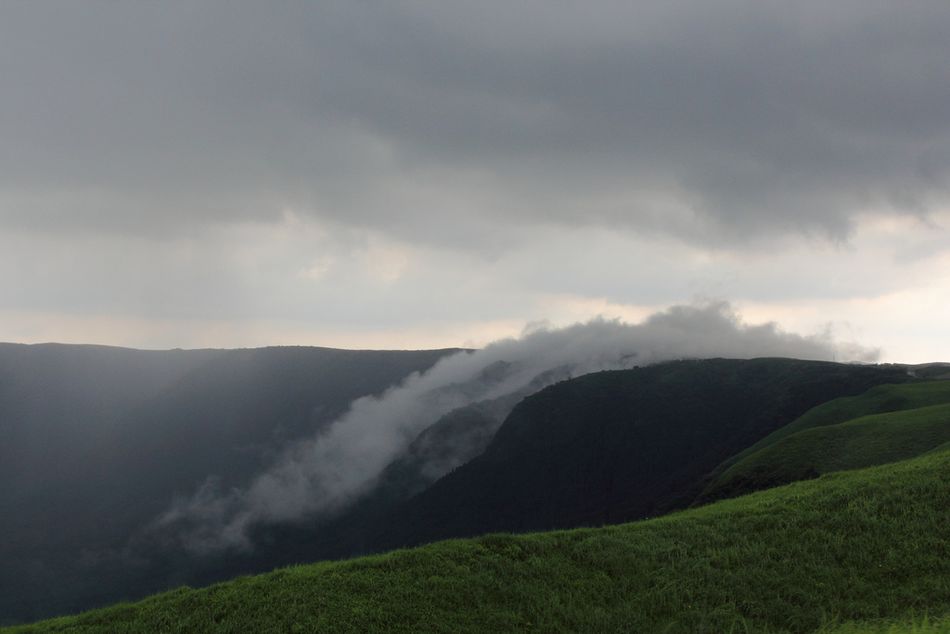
(95, 442)
(615, 446)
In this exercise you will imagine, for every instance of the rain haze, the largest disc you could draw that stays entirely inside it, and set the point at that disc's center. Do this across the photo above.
(419, 175)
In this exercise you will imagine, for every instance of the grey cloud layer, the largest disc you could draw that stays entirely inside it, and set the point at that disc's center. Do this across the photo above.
(456, 123)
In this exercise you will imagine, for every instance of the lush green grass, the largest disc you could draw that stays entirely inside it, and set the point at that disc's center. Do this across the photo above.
(861, 442)
(944, 447)
(877, 400)
(909, 626)
(852, 546)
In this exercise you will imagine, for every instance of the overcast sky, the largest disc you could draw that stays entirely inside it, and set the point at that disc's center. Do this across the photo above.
(410, 174)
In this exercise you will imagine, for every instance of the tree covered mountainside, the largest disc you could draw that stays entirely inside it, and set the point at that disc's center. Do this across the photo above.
(616, 446)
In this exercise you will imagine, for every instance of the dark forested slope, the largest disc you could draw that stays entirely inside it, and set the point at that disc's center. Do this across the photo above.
(615, 446)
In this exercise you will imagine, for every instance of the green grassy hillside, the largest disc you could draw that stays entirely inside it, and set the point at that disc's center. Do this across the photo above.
(858, 443)
(907, 626)
(877, 400)
(853, 546)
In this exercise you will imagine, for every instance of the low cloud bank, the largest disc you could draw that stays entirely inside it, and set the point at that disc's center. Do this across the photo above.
(323, 475)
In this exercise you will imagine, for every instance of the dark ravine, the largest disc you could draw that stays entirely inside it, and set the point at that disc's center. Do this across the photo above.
(95, 441)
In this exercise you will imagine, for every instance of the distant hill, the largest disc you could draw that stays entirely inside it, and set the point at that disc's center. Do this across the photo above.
(852, 552)
(615, 446)
(812, 445)
(878, 400)
(95, 441)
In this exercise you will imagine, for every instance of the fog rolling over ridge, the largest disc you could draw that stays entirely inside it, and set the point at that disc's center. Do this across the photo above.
(320, 476)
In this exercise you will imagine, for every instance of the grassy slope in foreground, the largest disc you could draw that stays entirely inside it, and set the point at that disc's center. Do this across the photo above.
(905, 626)
(877, 400)
(862, 442)
(858, 545)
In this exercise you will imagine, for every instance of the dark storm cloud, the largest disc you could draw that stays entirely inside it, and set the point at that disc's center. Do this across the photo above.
(451, 122)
